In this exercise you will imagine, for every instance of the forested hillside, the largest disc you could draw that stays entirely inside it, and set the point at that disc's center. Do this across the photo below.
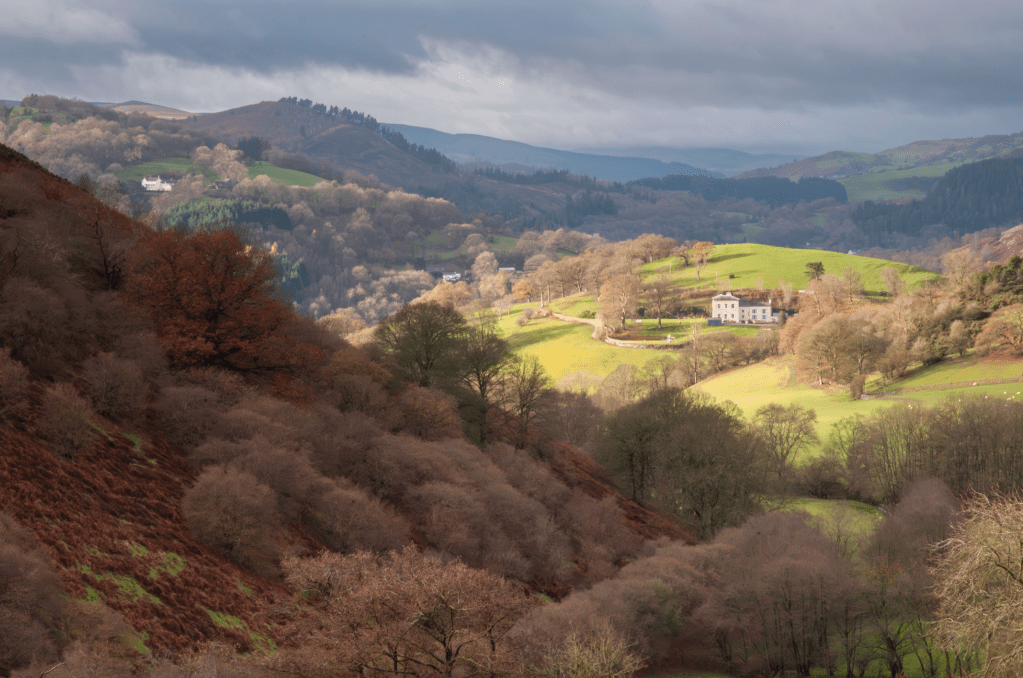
(967, 199)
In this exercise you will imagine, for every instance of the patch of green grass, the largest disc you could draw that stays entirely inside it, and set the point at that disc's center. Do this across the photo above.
(137, 549)
(245, 589)
(749, 262)
(172, 564)
(283, 176)
(128, 588)
(775, 381)
(91, 595)
(1010, 391)
(138, 642)
(135, 439)
(952, 370)
(563, 348)
(502, 244)
(152, 168)
(263, 643)
(873, 185)
(838, 158)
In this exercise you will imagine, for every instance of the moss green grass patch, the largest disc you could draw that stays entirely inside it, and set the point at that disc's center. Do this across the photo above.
(127, 588)
(263, 643)
(172, 564)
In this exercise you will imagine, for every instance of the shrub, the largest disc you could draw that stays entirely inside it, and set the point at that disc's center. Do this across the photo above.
(31, 599)
(117, 387)
(353, 521)
(65, 420)
(524, 318)
(288, 474)
(236, 515)
(33, 324)
(429, 414)
(186, 414)
(13, 386)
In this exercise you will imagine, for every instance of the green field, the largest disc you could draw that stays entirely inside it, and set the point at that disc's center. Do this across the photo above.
(564, 349)
(774, 381)
(276, 174)
(1007, 391)
(953, 370)
(283, 176)
(872, 185)
(749, 262)
(148, 169)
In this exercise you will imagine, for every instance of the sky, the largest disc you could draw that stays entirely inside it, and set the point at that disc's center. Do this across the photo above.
(788, 76)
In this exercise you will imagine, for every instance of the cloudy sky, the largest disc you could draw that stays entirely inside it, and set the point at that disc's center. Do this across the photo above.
(793, 76)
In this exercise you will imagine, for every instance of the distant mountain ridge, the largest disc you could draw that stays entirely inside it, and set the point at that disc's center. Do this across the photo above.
(725, 160)
(476, 148)
(926, 153)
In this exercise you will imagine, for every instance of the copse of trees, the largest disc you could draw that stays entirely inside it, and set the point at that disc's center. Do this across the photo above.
(968, 442)
(692, 458)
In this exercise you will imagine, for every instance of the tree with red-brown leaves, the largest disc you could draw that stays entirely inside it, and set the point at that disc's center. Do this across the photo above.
(215, 303)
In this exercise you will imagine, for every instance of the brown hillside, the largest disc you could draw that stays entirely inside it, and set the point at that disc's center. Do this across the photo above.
(110, 513)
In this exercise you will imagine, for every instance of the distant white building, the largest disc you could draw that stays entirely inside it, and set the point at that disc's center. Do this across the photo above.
(729, 308)
(452, 277)
(157, 184)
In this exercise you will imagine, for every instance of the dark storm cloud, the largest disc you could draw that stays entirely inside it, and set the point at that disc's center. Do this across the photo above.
(576, 69)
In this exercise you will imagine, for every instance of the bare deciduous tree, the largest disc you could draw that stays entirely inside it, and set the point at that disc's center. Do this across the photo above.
(979, 585)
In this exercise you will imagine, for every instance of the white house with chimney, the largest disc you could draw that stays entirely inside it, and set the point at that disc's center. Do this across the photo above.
(157, 184)
(728, 308)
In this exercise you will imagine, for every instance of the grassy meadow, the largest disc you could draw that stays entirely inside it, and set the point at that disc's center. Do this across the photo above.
(739, 266)
(276, 174)
(874, 185)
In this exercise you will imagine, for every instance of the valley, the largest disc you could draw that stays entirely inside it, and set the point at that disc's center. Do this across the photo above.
(225, 403)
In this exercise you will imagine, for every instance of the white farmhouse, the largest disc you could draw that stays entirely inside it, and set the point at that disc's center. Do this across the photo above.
(731, 309)
(157, 184)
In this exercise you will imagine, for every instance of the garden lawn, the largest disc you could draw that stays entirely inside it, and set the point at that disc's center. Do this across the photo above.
(750, 262)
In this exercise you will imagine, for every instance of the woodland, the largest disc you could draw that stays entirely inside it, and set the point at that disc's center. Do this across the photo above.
(207, 472)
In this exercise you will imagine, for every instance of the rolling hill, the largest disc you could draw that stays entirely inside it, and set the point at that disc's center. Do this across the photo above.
(477, 149)
(904, 172)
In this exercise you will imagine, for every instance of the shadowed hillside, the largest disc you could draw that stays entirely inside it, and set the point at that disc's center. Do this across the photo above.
(172, 464)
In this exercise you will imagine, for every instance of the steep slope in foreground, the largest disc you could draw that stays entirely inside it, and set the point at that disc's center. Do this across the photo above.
(108, 506)
(111, 518)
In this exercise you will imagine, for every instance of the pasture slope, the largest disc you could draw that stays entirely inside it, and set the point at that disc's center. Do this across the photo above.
(739, 266)
(184, 165)
(565, 349)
